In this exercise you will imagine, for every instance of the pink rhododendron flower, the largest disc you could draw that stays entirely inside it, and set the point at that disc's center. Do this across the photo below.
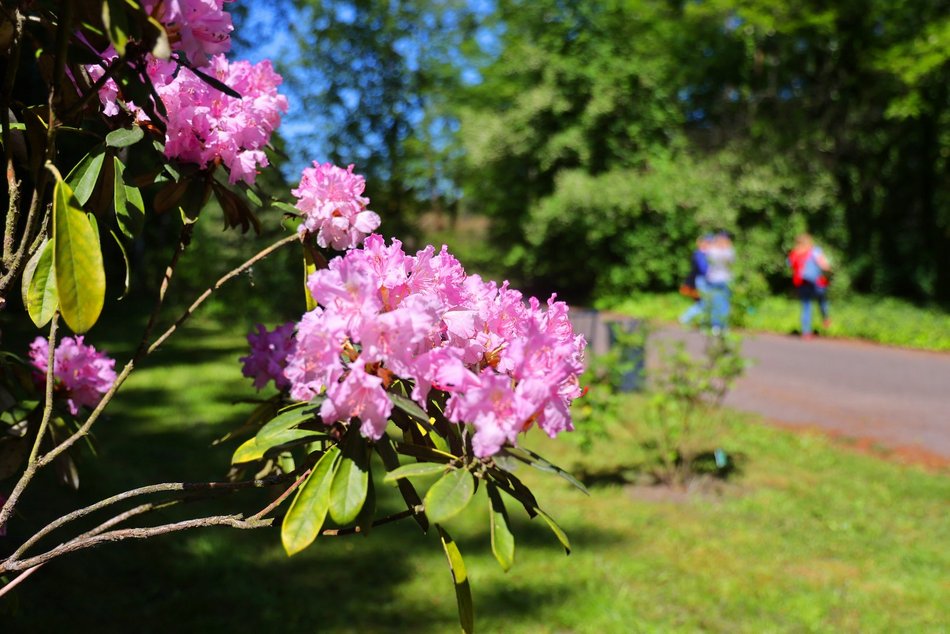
(205, 125)
(334, 208)
(506, 364)
(199, 28)
(268, 357)
(81, 372)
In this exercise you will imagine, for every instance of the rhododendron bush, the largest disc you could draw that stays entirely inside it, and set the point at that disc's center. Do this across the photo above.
(401, 365)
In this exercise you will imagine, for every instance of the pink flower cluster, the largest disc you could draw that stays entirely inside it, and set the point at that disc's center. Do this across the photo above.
(199, 28)
(205, 125)
(268, 357)
(332, 202)
(505, 364)
(83, 373)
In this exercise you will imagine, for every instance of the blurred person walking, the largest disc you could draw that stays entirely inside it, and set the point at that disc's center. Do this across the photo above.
(694, 285)
(719, 257)
(809, 265)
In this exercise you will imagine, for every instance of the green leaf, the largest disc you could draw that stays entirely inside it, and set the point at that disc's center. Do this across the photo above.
(125, 259)
(124, 137)
(463, 590)
(285, 207)
(285, 421)
(129, 206)
(162, 48)
(414, 469)
(409, 406)
(529, 457)
(117, 24)
(449, 495)
(309, 266)
(502, 539)
(308, 511)
(77, 261)
(39, 286)
(348, 492)
(84, 176)
(557, 530)
(255, 448)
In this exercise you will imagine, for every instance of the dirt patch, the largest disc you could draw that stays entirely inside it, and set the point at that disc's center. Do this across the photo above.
(701, 488)
(901, 454)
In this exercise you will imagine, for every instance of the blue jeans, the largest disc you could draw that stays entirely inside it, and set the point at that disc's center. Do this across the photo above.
(698, 307)
(719, 296)
(809, 292)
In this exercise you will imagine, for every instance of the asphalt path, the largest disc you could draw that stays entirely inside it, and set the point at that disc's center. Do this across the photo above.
(899, 399)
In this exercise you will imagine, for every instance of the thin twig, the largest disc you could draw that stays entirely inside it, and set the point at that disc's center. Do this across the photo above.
(18, 259)
(395, 517)
(10, 586)
(184, 239)
(221, 282)
(280, 498)
(234, 521)
(13, 210)
(93, 91)
(189, 487)
(32, 464)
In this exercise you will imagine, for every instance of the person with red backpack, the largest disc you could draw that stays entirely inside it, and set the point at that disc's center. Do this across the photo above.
(809, 266)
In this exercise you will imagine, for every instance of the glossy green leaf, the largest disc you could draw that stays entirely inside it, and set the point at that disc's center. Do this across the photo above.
(255, 448)
(39, 286)
(84, 176)
(284, 421)
(463, 589)
(116, 21)
(408, 406)
(414, 469)
(285, 207)
(348, 492)
(162, 48)
(557, 530)
(502, 539)
(308, 511)
(531, 458)
(77, 261)
(129, 206)
(124, 137)
(449, 495)
(309, 267)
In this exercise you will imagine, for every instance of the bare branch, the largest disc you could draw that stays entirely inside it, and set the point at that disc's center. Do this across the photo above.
(234, 521)
(187, 487)
(221, 282)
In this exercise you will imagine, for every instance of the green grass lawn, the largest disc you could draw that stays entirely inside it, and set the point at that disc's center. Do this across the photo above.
(808, 537)
(883, 320)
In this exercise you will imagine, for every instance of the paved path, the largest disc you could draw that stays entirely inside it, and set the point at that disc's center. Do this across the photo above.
(897, 398)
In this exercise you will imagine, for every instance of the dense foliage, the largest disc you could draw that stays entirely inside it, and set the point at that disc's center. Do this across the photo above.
(624, 128)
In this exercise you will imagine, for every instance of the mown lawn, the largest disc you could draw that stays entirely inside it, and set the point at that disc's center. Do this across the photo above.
(884, 320)
(807, 537)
